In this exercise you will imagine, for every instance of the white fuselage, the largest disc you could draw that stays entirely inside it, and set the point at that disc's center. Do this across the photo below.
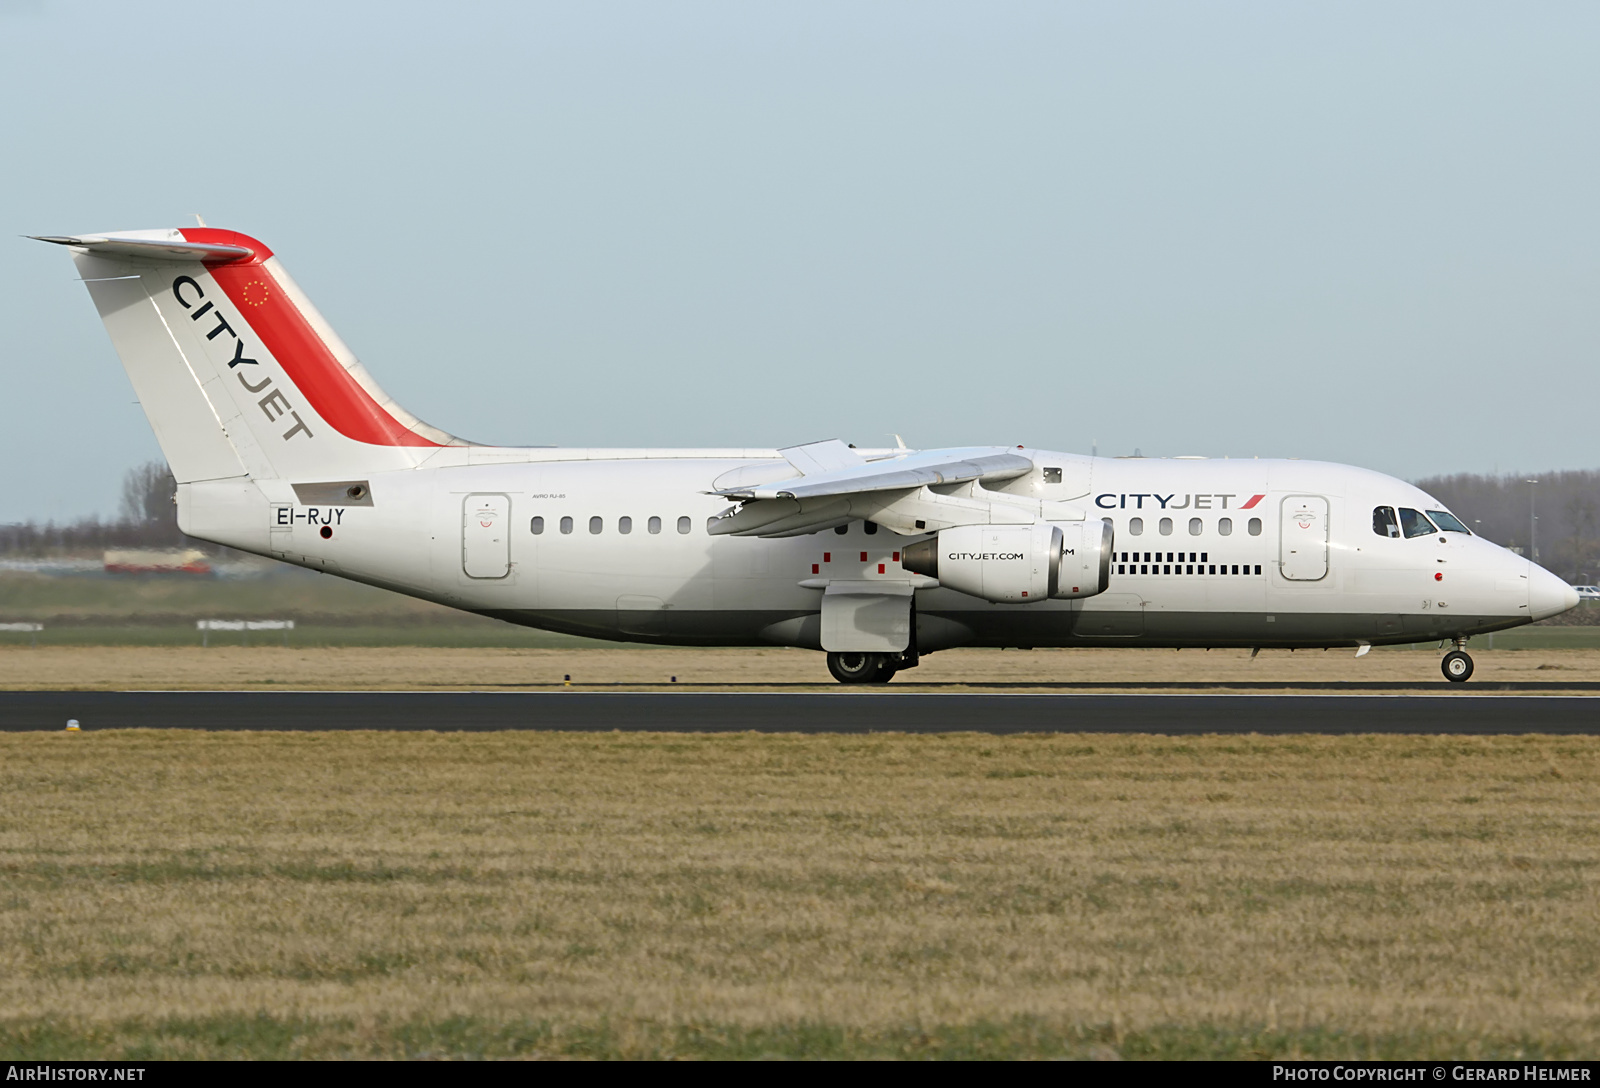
(616, 544)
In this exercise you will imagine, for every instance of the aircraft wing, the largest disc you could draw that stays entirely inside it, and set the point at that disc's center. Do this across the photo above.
(825, 472)
(837, 485)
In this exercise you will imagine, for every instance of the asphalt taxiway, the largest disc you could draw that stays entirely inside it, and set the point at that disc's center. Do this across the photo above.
(1453, 712)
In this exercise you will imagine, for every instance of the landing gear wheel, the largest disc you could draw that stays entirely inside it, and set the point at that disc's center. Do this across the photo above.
(860, 668)
(1457, 667)
(886, 671)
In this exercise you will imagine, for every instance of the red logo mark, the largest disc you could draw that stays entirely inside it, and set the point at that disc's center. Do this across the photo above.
(1253, 500)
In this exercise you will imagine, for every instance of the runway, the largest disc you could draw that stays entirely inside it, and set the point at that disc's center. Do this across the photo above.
(782, 712)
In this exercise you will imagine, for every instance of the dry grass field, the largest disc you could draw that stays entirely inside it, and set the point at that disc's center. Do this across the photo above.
(486, 668)
(648, 895)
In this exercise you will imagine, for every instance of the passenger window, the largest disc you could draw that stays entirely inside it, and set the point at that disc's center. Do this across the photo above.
(1165, 526)
(1448, 522)
(1052, 475)
(1413, 524)
(537, 525)
(1194, 526)
(709, 523)
(1254, 527)
(683, 524)
(869, 527)
(595, 525)
(1136, 526)
(624, 525)
(654, 525)
(566, 525)
(1384, 523)
(841, 529)
(1225, 527)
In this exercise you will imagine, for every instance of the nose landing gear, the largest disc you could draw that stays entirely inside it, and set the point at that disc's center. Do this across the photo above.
(1457, 665)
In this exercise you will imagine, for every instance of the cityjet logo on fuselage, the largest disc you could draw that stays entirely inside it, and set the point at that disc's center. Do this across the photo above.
(274, 405)
(985, 557)
(1131, 501)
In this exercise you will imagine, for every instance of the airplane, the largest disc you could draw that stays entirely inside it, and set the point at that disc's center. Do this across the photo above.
(283, 445)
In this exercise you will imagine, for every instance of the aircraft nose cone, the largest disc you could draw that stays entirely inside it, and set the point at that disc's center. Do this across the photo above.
(1548, 595)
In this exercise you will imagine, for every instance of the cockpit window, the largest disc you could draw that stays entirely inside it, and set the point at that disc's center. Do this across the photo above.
(1447, 521)
(1413, 523)
(1383, 521)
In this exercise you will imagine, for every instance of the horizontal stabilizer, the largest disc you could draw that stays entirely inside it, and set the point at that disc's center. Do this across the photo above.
(154, 249)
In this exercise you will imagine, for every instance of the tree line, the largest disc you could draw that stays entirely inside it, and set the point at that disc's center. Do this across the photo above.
(147, 518)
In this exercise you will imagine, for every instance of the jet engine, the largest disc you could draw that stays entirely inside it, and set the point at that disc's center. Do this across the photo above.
(1018, 563)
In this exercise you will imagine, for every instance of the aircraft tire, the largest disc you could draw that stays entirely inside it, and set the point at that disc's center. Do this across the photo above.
(1456, 666)
(858, 668)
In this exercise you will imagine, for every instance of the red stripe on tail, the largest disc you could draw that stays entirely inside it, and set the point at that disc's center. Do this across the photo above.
(337, 397)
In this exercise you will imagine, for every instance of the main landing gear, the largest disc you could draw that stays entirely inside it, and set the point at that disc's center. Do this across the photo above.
(1457, 666)
(867, 668)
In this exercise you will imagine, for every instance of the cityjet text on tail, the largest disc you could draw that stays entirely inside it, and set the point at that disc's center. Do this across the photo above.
(283, 445)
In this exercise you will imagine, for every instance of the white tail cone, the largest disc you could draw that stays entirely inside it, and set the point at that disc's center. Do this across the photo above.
(1548, 595)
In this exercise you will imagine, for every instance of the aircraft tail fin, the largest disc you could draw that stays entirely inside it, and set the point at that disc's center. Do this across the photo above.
(236, 370)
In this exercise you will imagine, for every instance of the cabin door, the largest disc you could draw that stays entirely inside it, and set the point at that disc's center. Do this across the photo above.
(1303, 539)
(485, 536)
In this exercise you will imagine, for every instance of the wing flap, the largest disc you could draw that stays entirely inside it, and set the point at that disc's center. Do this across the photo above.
(781, 517)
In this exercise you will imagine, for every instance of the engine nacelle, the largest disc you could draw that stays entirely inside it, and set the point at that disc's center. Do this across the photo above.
(1018, 563)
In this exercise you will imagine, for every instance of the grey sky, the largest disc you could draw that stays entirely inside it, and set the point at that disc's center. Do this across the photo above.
(1359, 232)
